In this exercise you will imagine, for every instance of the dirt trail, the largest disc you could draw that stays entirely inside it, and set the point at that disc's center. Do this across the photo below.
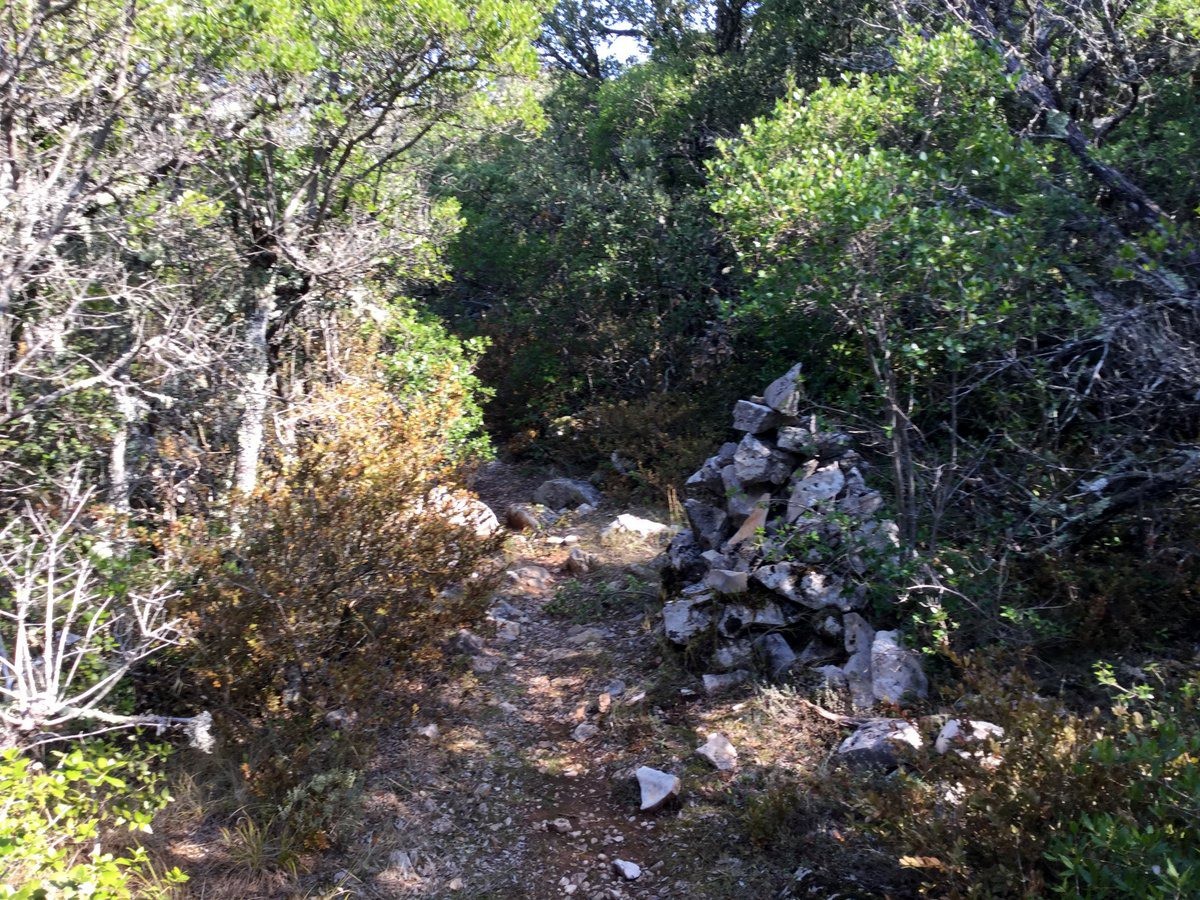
(505, 800)
(487, 787)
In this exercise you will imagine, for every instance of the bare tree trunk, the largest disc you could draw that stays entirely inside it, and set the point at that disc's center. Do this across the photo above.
(118, 465)
(260, 303)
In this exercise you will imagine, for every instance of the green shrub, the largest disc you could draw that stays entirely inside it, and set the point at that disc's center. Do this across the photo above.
(65, 826)
(1093, 805)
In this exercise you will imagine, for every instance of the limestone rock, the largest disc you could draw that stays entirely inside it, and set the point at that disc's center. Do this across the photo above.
(566, 493)
(626, 524)
(464, 511)
(798, 440)
(756, 462)
(754, 418)
(784, 393)
(861, 504)
(859, 635)
(580, 562)
(958, 734)
(879, 743)
(733, 655)
(821, 589)
(724, 581)
(683, 619)
(683, 555)
(720, 683)
(896, 673)
(720, 752)
(824, 484)
(708, 523)
(630, 871)
(775, 654)
(782, 578)
(584, 732)
(736, 617)
(858, 679)
(656, 787)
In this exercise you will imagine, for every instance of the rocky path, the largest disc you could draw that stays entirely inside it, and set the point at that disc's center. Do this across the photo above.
(514, 778)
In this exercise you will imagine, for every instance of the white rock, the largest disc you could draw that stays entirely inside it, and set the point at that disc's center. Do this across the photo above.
(784, 579)
(877, 742)
(630, 871)
(683, 619)
(508, 631)
(736, 617)
(719, 683)
(824, 484)
(561, 825)
(858, 678)
(959, 733)
(783, 394)
(896, 673)
(656, 787)
(858, 633)
(626, 524)
(464, 511)
(719, 751)
(428, 731)
(584, 731)
(821, 590)
(726, 581)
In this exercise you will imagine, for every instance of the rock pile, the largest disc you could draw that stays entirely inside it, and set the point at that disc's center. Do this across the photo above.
(785, 534)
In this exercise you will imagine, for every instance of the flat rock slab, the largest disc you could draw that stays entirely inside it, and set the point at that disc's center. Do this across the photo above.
(656, 787)
(720, 752)
(626, 524)
(754, 418)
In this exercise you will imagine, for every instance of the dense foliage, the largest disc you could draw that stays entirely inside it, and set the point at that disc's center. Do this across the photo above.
(269, 267)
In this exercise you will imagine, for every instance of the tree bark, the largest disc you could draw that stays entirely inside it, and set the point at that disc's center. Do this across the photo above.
(259, 305)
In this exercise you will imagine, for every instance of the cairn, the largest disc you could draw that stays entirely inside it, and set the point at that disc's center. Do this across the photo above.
(785, 535)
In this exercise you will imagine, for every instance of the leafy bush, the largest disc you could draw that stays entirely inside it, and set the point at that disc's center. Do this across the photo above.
(65, 827)
(1080, 805)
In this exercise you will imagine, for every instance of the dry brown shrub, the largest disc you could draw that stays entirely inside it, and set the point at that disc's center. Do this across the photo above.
(341, 576)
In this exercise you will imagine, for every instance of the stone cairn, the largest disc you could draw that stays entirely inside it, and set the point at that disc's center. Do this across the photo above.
(785, 533)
